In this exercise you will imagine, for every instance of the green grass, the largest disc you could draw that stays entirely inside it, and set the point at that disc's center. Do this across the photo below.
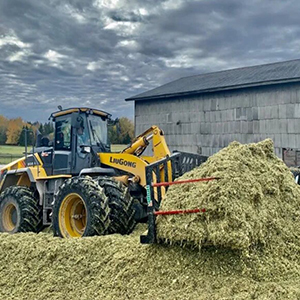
(10, 153)
(13, 150)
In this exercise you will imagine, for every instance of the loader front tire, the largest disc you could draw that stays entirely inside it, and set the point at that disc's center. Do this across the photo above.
(296, 174)
(121, 206)
(80, 209)
(19, 210)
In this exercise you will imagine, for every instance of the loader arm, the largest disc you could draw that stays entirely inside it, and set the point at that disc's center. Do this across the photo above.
(141, 142)
(131, 160)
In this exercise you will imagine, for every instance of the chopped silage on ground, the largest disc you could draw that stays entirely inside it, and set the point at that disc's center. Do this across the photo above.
(246, 246)
(39, 266)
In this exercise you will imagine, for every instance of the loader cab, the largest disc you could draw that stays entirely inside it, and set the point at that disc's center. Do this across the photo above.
(79, 135)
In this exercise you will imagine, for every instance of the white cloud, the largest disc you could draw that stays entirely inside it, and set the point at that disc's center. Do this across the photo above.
(188, 61)
(173, 4)
(143, 12)
(74, 14)
(18, 56)
(53, 56)
(121, 28)
(103, 101)
(124, 78)
(130, 44)
(95, 65)
(111, 4)
(138, 86)
(12, 40)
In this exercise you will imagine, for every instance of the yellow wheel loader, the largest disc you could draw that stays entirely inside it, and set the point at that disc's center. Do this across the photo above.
(77, 185)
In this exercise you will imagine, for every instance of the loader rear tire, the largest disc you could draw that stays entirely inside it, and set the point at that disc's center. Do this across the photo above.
(296, 174)
(19, 210)
(121, 206)
(80, 209)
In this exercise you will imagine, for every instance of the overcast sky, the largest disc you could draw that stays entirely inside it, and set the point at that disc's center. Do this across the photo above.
(96, 53)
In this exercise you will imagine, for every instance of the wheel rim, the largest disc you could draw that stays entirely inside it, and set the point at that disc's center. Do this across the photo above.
(72, 216)
(9, 218)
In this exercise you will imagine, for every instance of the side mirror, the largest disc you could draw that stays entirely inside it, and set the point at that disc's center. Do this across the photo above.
(85, 149)
(76, 120)
(118, 127)
(111, 122)
(38, 142)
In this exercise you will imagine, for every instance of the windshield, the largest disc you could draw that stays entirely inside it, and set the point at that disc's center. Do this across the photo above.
(98, 128)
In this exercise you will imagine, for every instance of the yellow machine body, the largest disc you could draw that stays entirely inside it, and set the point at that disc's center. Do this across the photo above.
(31, 175)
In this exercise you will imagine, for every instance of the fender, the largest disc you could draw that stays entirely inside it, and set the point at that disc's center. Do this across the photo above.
(23, 176)
(97, 171)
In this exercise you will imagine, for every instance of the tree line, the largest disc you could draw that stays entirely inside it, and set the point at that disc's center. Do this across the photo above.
(12, 131)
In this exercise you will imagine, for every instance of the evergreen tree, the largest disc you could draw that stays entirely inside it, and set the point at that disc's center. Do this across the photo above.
(41, 129)
(30, 136)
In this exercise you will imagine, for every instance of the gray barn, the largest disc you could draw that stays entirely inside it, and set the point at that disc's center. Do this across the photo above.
(204, 113)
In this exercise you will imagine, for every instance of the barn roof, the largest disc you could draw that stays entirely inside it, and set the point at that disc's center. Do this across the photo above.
(274, 73)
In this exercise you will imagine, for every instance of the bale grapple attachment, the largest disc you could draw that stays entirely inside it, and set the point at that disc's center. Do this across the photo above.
(159, 177)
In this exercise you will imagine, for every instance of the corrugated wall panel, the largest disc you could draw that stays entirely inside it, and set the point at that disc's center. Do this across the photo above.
(209, 122)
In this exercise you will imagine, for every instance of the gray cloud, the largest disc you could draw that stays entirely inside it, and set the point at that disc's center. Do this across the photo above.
(98, 52)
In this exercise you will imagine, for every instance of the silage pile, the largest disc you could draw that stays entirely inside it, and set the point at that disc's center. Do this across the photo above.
(253, 210)
(246, 246)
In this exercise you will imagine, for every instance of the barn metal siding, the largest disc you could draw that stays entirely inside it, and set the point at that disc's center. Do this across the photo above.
(208, 122)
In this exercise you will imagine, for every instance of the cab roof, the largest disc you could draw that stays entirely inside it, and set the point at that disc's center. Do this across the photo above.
(80, 109)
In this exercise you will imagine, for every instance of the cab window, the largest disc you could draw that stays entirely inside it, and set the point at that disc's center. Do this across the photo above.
(98, 126)
(63, 134)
